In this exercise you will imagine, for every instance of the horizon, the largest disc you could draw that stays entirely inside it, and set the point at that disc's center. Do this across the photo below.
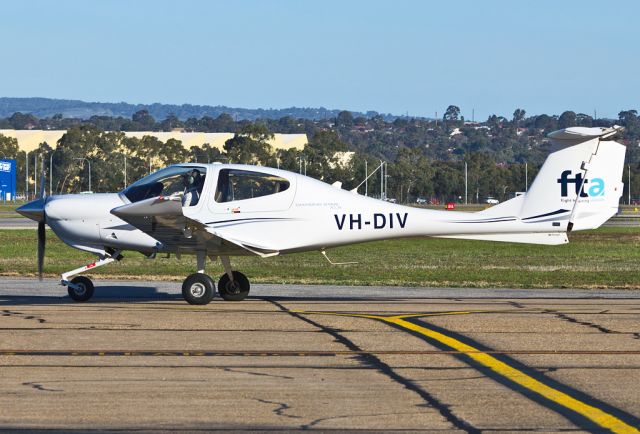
(402, 58)
(506, 115)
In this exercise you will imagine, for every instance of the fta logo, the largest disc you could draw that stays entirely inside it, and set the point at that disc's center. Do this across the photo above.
(590, 188)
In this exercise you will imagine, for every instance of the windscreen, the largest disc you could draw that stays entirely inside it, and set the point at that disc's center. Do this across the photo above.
(184, 180)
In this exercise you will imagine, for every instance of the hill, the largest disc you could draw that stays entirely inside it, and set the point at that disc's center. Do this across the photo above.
(48, 107)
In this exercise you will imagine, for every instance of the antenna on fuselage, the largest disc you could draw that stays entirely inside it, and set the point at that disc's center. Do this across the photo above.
(355, 190)
(335, 263)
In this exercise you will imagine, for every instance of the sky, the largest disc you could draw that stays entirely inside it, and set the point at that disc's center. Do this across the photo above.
(400, 57)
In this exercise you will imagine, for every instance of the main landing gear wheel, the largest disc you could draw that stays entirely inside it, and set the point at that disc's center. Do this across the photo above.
(83, 290)
(236, 290)
(198, 289)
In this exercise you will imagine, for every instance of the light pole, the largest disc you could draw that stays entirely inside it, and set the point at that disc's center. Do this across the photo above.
(201, 155)
(381, 180)
(51, 171)
(526, 177)
(386, 178)
(366, 178)
(35, 174)
(466, 179)
(26, 176)
(629, 182)
(125, 170)
(89, 163)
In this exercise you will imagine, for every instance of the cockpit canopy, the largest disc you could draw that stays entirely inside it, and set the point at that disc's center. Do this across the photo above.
(188, 180)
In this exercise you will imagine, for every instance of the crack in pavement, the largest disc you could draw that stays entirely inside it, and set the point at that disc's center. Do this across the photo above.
(258, 374)
(280, 409)
(315, 422)
(565, 317)
(40, 386)
(16, 314)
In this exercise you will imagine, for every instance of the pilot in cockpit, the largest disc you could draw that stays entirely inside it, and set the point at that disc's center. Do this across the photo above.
(193, 183)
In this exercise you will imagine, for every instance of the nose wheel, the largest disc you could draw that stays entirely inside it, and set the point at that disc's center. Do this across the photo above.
(80, 288)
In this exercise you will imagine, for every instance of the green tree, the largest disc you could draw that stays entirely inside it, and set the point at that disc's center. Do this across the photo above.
(344, 119)
(629, 119)
(250, 146)
(8, 147)
(518, 116)
(325, 158)
(22, 121)
(583, 120)
(452, 114)
(567, 119)
(144, 120)
(545, 122)
(411, 175)
(171, 122)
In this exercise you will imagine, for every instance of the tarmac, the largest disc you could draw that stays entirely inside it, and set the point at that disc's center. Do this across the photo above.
(292, 357)
(17, 223)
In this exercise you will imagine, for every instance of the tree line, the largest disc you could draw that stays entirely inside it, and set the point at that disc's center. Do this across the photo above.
(425, 157)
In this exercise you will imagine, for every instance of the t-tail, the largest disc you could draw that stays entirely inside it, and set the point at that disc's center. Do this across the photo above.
(578, 188)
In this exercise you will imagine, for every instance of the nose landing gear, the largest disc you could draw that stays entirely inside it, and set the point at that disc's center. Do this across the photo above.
(81, 288)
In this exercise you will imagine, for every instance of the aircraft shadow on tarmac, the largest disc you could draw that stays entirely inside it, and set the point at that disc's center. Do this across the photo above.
(103, 294)
(145, 294)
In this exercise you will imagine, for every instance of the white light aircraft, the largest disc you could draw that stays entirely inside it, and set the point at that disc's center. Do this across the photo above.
(224, 210)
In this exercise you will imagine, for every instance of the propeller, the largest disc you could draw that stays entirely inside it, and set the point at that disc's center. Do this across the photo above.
(35, 211)
(41, 243)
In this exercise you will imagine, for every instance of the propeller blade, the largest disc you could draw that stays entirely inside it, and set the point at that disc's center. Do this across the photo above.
(41, 242)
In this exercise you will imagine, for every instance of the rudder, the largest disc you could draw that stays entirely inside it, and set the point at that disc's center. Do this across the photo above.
(579, 186)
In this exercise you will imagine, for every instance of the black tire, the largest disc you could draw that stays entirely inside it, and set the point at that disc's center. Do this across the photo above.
(85, 290)
(236, 290)
(198, 288)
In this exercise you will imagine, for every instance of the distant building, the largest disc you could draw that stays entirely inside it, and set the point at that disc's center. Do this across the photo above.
(28, 140)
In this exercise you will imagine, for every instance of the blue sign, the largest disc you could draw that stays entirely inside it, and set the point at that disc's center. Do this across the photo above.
(7, 180)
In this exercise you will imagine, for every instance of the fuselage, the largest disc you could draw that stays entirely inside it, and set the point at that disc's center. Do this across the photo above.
(306, 215)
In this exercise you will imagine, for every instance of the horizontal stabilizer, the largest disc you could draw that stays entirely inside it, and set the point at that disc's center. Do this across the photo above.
(550, 239)
(575, 135)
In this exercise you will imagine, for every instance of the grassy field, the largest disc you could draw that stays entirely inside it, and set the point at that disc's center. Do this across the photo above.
(606, 258)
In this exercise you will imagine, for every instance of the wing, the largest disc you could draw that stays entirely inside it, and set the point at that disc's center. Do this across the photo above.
(162, 218)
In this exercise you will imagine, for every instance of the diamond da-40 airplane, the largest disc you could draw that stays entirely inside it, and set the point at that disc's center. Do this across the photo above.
(225, 210)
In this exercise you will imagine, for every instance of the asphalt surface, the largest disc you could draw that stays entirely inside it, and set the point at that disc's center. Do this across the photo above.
(137, 357)
(17, 223)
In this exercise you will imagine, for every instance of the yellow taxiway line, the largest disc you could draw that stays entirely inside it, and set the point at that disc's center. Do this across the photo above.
(594, 414)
